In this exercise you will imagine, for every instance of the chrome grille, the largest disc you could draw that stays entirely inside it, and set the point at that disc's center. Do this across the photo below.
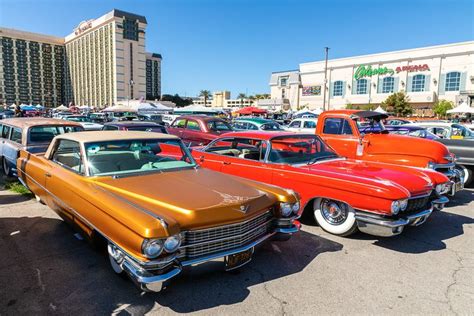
(418, 204)
(202, 242)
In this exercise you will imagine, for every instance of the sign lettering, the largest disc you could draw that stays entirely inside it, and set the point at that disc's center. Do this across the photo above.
(367, 71)
(311, 90)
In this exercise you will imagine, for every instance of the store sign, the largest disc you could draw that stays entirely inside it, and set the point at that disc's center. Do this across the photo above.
(82, 27)
(413, 68)
(367, 71)
(311, 90)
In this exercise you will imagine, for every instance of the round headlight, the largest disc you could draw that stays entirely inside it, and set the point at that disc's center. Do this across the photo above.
(395, 207)
(153, 248)
(430, 165)
(172, 243)
(442, 188)
(285, 209)
(403, 204)
(296, 207)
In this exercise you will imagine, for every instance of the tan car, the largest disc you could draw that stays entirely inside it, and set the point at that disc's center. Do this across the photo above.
(156, 208)
(30, 134)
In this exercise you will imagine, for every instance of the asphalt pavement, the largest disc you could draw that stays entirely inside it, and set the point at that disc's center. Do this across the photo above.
(46, 269)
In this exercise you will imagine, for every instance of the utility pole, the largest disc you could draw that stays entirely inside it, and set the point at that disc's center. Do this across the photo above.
(326, 49)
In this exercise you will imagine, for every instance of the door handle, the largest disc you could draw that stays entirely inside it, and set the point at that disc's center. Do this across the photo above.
(226, 163)
(47, 174)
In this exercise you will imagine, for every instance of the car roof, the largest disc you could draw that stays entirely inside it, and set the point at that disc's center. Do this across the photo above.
(255, 120)
(101, 136)
(435, 124)
(200, 117)
(131, 123)
(262, 134)
(26, 122)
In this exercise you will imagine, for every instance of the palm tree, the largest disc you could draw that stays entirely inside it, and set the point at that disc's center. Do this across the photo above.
(205, 94)
(241, 96)
(266, 96)
(252, 98)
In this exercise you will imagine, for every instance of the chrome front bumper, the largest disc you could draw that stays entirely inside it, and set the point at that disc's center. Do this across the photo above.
(385, 227)
(151, 280)
(454, 175)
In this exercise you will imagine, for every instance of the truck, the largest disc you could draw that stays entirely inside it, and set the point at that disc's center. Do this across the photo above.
(361, 135)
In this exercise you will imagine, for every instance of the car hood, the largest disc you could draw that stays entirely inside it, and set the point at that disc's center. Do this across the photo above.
(392, 144)
(373, 178)
(195, 198)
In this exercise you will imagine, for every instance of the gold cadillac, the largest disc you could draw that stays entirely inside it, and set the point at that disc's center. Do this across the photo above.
(144, 194)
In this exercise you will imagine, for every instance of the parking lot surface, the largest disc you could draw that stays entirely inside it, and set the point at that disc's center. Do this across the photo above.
(429, 269)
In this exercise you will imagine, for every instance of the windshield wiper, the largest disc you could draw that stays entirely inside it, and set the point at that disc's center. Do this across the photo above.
(316, 159)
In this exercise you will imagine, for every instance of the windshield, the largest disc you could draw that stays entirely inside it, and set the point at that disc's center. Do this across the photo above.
(302, 149)
(45, 134)
(273, 126)
(137, 156)
(370, 126)
(155, 129)
(219, 126)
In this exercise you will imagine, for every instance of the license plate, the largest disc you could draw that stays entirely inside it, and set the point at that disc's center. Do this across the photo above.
(238, 259)
(458, 186)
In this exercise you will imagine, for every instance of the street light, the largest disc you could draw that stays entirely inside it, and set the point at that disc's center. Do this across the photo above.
(326, 49)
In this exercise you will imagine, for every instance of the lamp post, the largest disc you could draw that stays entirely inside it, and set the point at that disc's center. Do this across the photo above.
(130, 85)
(326, 49)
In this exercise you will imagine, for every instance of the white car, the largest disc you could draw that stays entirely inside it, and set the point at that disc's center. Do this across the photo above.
(303, 125)
(446, 130)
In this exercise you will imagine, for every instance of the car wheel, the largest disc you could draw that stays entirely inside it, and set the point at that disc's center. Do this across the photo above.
(335, 217)
(467, 174)
(6, 168)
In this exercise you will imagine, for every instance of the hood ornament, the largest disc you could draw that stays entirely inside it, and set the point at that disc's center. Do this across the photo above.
(244, 208)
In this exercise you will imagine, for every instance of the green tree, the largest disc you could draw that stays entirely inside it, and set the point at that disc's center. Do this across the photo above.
(176, 99)
(398, 103)
(441, 107)
(205, 94)
(241, 96)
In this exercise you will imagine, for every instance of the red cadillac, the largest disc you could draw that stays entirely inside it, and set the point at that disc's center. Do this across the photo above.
(342, 194)
(198, 130)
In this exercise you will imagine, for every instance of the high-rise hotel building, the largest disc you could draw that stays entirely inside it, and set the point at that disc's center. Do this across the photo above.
(101, 63)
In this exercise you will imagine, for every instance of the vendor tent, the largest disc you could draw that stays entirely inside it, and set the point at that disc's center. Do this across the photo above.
(462, 108)
(118, 108)
(61, 108)
(162, 107)
(380, 110)
(251, 110)
(196, 109)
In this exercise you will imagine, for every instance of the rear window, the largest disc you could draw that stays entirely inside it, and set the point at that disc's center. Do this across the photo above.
(45, 134)
(152, 128)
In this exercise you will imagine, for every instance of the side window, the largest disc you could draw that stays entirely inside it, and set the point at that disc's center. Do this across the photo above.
(337, 126)
(110, 128)
(6, 131)
(16, 135)
(252, 127)
(295, 124)
(193, 125)
(309, 124)
(180, 123)
(68, 154)
(240, 125)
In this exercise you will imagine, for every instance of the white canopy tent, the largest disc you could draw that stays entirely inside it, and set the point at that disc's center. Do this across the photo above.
(462, 108)
(380, 110)
(196, 109)
(61, 108)
(119, 108)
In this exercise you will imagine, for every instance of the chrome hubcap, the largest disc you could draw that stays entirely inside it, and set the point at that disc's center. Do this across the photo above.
(333, 212)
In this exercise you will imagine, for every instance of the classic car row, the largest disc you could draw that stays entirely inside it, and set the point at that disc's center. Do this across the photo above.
(161, 206)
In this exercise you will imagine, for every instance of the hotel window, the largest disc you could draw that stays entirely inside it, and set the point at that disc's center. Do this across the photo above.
(283, 95)
(418, 83)
(453, 80)
(283, 81)
(361, 86)
(337, 88)
(388, 84)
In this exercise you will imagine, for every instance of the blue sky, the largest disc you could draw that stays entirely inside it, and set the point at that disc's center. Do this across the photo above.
(236, 44)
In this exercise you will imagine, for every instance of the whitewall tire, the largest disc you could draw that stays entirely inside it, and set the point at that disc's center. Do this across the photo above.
(467, 174)
(335, 217)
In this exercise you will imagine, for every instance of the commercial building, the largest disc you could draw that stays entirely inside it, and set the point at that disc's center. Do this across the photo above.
(221, 99)
(425, 74)
(102, 62)
(31, 68)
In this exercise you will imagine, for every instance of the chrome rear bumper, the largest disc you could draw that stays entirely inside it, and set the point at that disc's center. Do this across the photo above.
(385, 227)
(152, 281)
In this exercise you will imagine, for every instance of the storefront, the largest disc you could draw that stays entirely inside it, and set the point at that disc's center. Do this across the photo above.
(424, 74)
